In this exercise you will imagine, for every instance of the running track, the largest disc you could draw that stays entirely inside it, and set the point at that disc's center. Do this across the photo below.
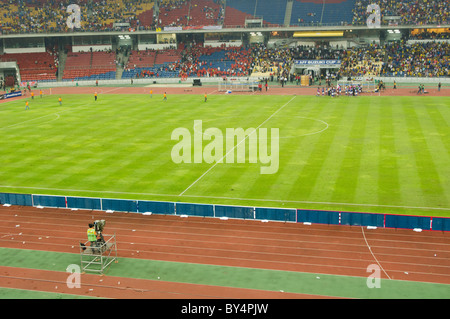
(324, 249)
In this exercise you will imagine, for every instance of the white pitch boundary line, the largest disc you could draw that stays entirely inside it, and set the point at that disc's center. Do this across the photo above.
(58, 115)
(219, 161)
(108, 91)
(222, 197)
(373, 255)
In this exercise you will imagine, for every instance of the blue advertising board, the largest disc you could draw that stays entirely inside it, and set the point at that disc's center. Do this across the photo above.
(239, 212)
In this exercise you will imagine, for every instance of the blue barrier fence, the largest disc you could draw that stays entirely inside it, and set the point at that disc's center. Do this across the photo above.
(239, 212)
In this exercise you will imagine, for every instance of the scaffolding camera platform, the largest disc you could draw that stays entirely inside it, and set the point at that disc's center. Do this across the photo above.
(98, 258)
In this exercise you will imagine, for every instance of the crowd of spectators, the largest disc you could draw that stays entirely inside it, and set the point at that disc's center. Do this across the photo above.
(430, 35)
(419, 12)
(411, 12)
(236, 61)
(38, 16)
(400, 59)
(322, 52)
(20, 17)
(425, 59)
(102, 14)
(362, 61)
(173, 13)
(34, 16)
(275, 61)
(179, 13)
(387, 8)
(421, 59)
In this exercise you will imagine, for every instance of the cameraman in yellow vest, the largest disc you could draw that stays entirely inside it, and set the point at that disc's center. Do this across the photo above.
(92, 235)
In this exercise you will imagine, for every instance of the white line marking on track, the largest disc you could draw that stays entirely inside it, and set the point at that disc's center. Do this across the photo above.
(108, 91)
(373, 255)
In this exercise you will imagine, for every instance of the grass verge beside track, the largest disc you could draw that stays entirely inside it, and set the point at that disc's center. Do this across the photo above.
(260, 279)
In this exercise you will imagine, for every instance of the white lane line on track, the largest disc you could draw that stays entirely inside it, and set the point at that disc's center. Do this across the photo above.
(373, 255)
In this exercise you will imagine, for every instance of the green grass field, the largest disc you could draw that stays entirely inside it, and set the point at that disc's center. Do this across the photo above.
(368, 154)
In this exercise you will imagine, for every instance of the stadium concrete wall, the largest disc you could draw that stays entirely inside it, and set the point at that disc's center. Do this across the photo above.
(145, 81)
(214, 80)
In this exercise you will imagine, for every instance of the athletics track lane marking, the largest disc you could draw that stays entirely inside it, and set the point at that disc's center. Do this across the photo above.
(373, 255)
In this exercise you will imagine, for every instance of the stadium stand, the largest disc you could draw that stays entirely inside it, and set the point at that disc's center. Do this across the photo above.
(173, 13)
(167, 56)
(41, 66)
(322, 12)
(411, 12)
(362, 61)
(152, 63)
(271, 62)
(265, 9)
(430, 35)
(141, 59)
(424, 55)
(229, 61)
(235, 17)
(425, 59)
(205, 12)
(33, 16)
(400, 58)
(237, 11)
(302, 12)
(190, 13)
(90, 66)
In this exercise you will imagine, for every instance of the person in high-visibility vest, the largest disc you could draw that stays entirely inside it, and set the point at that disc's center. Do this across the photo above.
(92, 235)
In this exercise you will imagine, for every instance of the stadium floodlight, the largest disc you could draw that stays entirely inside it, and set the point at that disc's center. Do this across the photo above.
(390, 31)
(396, 31)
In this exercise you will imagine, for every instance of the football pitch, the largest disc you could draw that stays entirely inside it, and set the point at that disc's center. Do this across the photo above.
(365, 153)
